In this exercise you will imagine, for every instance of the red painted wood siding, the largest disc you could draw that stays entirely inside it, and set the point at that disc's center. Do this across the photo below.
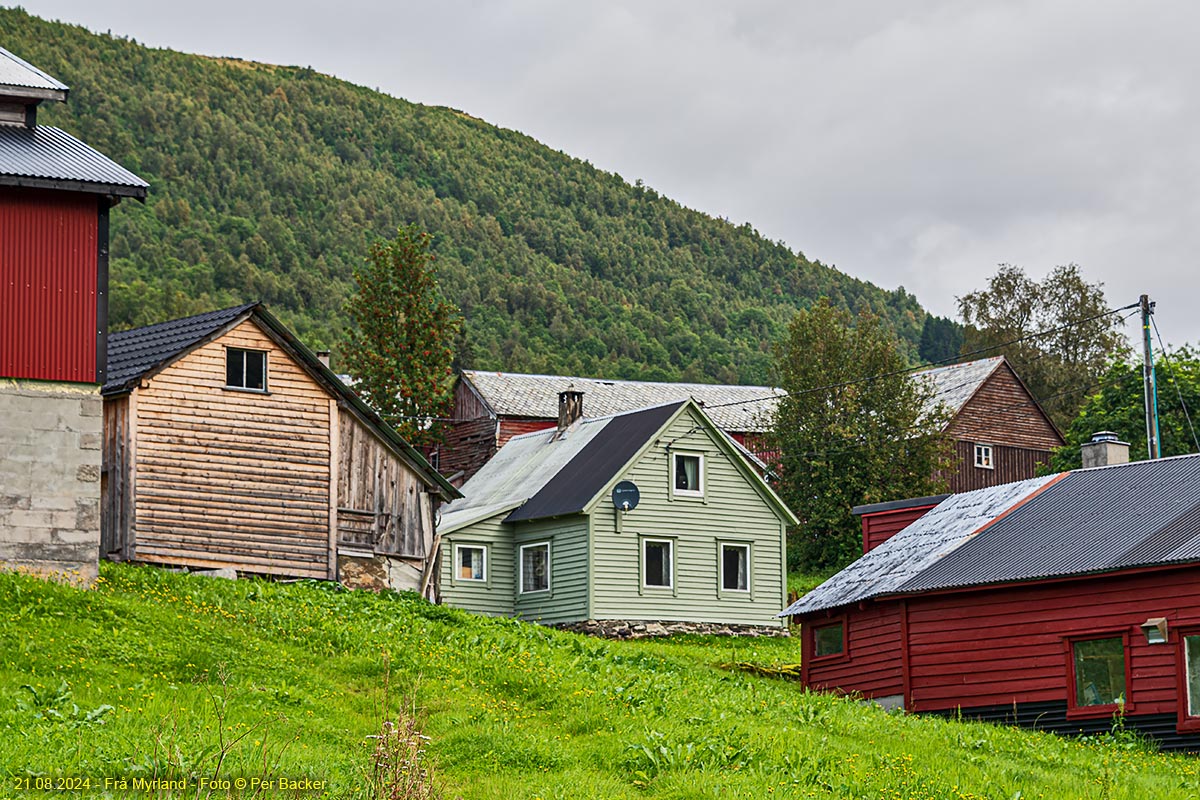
(878, 528)
(871, 664)
(48, 278)
(510, 427)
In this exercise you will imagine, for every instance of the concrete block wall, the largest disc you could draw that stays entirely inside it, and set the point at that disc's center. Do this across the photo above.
(50, 439)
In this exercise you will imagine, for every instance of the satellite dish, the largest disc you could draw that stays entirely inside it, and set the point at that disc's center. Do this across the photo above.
(625, 496)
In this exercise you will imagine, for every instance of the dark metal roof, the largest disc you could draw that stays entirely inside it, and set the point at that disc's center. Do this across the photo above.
(133, 353)
(48, 158)
(570, 490)
(16, 73)
(898, 505)
(1142, 514)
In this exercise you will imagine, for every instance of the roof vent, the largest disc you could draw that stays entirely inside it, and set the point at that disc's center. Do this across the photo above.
(1105, 449)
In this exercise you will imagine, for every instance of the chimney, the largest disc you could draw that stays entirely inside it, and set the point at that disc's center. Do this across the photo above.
(570, 408)
(323, 357)
(1104, 449)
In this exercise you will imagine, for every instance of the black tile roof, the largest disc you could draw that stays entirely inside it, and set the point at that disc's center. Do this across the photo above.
(569, 491)
(133, 353)
(46, 157)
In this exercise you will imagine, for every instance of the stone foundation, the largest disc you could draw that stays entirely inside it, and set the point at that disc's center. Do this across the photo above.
(643, 629)
(50, 436)
(377, 573)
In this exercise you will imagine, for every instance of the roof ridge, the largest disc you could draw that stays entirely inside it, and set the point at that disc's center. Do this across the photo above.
(183, 320)
(628, 381)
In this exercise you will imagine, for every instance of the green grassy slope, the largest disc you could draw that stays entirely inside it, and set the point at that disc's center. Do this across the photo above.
(512, 710)
(268, 182)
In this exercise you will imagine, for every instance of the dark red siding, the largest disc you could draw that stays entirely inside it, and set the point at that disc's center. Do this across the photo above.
(510, 427)
(879, 527)
(871, 663)
(48, 285)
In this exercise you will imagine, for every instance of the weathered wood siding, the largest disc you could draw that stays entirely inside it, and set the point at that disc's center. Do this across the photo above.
(871, 664)
(732, 511)
(233, 478)
(511, 426)
(382, 505)
(567, 599)
(1008, 464)
(495, 596)
(467, 446)
(116, 493)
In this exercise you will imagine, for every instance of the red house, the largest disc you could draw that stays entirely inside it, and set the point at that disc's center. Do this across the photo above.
(1054, 602)
(55, 194)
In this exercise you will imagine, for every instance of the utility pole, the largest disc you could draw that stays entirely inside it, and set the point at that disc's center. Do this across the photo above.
(1149, 387)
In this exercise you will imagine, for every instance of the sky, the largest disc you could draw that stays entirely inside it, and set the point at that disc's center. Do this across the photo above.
(916, 144)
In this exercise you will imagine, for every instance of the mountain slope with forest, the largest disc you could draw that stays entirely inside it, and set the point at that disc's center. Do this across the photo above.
(268, 182)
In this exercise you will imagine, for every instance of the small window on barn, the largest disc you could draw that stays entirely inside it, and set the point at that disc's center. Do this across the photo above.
(829, 640)
(535, 567)
(470, 562)
(688, 475)
(1191, 654)
(1099, 667)
(246, 369)
(735, 567)
(983, 456)
(656, 563)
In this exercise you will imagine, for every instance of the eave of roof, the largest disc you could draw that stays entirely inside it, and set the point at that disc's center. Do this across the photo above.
(45, 157)
(20, 78)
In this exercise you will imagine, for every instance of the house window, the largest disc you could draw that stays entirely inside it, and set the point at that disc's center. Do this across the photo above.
(688, 479)
(735, 567)
(983, 456)
(470, 562)
(829, 640)
(657, 563)
(1099, 667)
(535, 567)
(1191, 667)
(246, 369)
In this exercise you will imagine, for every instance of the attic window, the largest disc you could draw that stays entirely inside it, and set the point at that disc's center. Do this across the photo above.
(245, 369)
(983, 456)
(687, 475)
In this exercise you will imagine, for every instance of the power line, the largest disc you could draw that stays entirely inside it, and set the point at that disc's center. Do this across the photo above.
(1175, 380)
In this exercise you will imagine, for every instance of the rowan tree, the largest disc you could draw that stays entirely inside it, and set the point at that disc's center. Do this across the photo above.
(402, 343)
(854, 428)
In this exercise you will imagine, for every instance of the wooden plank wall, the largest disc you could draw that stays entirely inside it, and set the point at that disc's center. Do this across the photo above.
(115, 489)
(1003, 412)
(871, 664)
(382, 505)
(1008, 464)
(229, 478)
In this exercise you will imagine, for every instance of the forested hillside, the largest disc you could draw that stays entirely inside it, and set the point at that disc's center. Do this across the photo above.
(268, 182)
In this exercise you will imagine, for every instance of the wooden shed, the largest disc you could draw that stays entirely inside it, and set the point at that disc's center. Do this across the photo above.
(227, 443)
(1055, 602)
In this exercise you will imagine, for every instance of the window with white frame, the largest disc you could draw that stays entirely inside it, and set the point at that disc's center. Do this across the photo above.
(245, 369)
(657, 563)
(1191, 668)
(535, 568)
(688, 477)
(470, 562)
(735, 567)
(983, 456)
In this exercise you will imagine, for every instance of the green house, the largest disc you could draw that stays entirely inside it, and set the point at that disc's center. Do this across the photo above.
(650, 515)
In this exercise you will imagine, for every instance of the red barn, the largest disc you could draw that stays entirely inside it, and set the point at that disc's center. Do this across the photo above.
(1054, 602)
(55, 194)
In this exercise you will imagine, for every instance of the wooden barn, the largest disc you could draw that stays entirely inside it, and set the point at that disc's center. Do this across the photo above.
(228, 444)
(55, 197)
(1054, 602)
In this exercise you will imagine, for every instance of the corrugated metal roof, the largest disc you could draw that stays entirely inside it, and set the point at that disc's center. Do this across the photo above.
(133, 353)
(536, 396)
(15, 71)
(1097, 520)
(46, 156)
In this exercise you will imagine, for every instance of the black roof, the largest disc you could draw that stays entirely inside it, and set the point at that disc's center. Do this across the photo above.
(898, 505)
(133, 353)
(48, 158)
(573, 486)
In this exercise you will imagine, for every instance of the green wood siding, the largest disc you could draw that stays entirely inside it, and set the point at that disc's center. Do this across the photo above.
(731, 511)
(567, 599)
(495, 595)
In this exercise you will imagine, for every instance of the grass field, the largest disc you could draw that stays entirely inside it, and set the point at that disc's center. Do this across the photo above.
(154, 674)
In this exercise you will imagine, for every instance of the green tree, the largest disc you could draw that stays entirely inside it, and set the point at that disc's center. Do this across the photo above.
(1061, 367)
(1119, 407)
(941, 340)
(402, 342)
(851, 430)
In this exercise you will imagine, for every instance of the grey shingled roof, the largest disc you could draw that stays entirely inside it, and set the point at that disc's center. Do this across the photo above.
(18, 73)
(536, 396)
(1087, 521)
(523, 468)
(133, 353)
(955, 384)
(50, 158)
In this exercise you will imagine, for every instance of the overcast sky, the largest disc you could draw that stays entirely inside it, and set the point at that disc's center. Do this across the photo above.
(916, 143)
